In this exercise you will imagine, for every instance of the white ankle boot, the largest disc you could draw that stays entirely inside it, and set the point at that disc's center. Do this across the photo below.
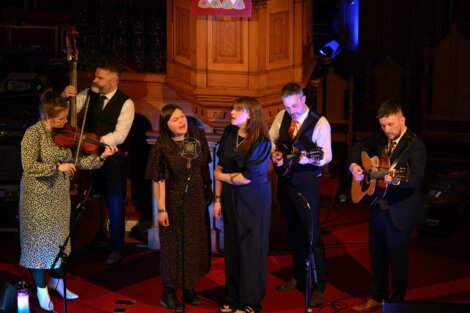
(58, 286)
(44, 299)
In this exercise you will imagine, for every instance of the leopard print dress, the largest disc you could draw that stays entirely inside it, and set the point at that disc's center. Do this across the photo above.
(44, 197)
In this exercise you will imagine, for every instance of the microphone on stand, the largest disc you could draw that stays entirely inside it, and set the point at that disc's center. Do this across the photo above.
(310, 266)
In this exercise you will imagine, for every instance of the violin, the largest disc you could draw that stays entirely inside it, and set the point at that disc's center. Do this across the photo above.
(69, 136)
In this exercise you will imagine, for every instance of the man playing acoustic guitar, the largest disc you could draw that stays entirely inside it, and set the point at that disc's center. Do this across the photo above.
(394, 213)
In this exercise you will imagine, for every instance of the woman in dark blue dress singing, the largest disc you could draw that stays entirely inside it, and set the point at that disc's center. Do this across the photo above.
(243, 194)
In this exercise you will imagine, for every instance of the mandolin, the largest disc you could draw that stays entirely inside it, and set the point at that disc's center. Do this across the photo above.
(292, 156)
(373, 184)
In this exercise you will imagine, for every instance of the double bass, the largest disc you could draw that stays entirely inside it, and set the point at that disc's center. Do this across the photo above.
(89, 210)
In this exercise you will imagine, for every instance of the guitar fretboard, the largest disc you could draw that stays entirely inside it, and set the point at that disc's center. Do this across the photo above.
(379, 174)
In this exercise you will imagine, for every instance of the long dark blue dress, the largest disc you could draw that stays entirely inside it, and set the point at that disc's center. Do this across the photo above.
(247, 212)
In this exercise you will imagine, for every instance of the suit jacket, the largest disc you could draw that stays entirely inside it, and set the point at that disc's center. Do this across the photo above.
(404, 200)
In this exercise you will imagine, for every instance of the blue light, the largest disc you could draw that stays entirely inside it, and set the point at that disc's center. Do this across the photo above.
(330, 49)
(349, 12)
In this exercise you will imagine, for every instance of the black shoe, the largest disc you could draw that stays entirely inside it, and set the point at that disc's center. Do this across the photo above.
(190, 297)
(290, 284)
(114, 257)
(170, 301)
(316, 299)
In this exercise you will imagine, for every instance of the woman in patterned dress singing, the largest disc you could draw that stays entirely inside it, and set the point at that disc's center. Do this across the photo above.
(183, 188)
(45, 199)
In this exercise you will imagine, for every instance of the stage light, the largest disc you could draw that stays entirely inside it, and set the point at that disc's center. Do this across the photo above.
(330, 49)
(23, 301)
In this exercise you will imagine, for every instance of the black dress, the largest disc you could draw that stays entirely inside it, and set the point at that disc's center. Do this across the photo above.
(247, 213)
(171, 166)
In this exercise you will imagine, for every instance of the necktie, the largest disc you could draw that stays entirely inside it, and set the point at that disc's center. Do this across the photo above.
(101, 102)
(292, 126)
(391, 146)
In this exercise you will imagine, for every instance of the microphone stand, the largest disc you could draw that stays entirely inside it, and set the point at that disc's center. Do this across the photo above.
(61, 254)
(188, 153)
(182, 220)
(310, 265)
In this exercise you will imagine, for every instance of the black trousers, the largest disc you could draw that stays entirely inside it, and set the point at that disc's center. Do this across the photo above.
(302, 222)
(110, 180)
(388, 249)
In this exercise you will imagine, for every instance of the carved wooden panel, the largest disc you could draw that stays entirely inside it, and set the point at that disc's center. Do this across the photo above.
(228, 49)
(446, 78)
(226, 57)
(386, 80)
(230, 80)
(280, 28)
(182, 35)
(227, 38)
(279, 36)
(451, 77)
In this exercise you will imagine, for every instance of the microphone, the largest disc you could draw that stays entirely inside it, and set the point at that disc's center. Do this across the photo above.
(306, 204)
(92, 197)
(88, 198)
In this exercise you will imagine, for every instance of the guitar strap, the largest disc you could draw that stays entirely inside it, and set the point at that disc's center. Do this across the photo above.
(407, 146)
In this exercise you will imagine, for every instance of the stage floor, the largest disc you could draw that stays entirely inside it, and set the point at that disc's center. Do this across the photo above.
(439, 272)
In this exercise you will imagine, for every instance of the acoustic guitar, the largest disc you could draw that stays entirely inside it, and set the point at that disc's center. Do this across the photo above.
(373, 184)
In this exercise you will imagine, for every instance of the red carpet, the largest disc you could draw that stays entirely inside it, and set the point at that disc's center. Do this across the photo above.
(439, 272)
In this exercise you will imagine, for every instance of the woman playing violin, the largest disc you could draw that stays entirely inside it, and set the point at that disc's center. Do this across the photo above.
(45, 199)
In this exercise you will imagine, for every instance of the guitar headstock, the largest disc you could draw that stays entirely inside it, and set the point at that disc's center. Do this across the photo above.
(71, 39)
(400, 175)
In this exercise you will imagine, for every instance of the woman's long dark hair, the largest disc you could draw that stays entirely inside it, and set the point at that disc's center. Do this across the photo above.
(165, 132)
(256, 126)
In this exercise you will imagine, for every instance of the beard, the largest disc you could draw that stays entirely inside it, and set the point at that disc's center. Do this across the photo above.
(99, 88)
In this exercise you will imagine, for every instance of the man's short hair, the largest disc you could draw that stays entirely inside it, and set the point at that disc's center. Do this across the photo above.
(291, 89)
(113, 68)
(389, 107)
(110, 61)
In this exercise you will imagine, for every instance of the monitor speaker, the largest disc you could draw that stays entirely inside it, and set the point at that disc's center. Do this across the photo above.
(10, 167)
(7, 298)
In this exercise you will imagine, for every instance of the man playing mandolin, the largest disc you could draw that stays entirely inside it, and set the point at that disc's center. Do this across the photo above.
(394, 213)
(297, 128)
